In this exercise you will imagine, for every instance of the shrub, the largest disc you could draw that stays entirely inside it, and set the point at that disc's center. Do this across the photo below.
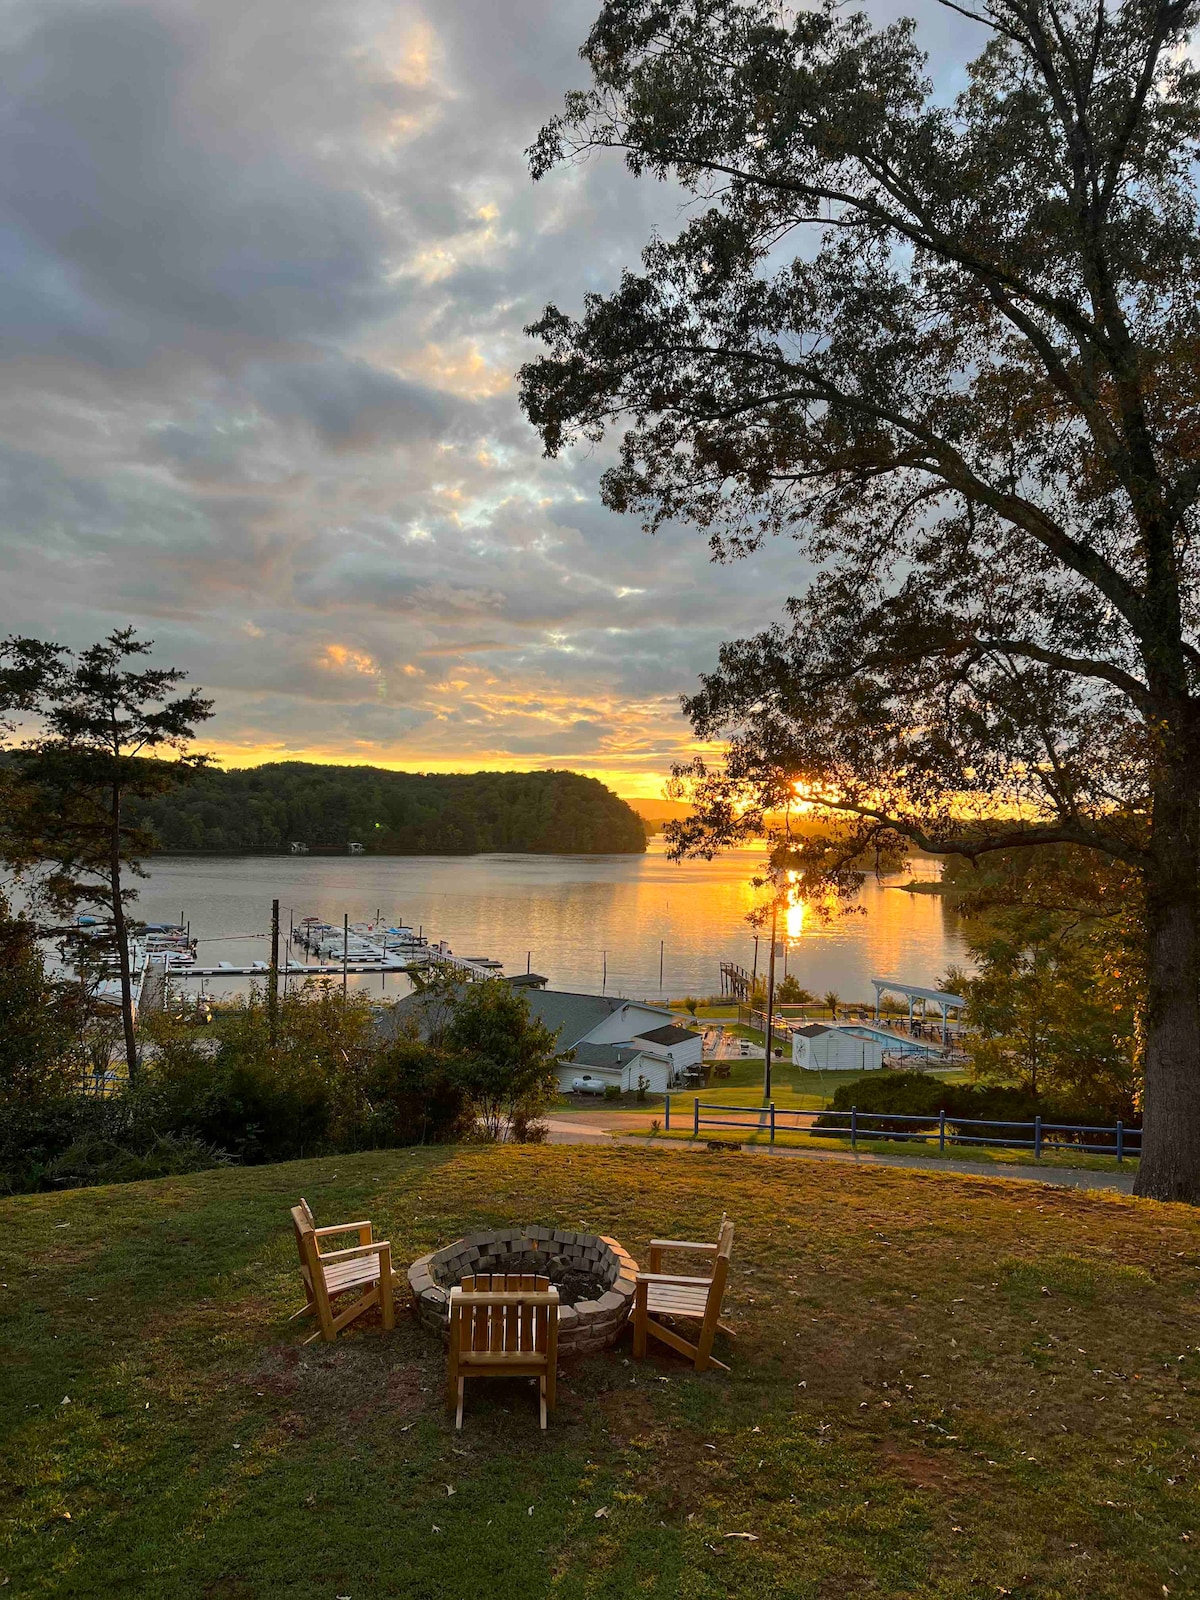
(612, 1091)
(915, 1094)
(96, 1158)
(527, 1127)
(416, 1096)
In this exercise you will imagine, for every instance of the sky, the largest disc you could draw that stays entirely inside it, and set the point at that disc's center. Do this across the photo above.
(264, 269)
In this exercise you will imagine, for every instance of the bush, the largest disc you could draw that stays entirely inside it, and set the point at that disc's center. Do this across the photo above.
(612, 1091)
(97, 1159)
(527, 1127)
(416, 1096)
(915, 1094)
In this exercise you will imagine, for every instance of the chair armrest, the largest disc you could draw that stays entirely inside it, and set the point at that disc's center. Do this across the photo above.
(682, 1244)
(379, 1246)
(342, 1227)
(671, 1277)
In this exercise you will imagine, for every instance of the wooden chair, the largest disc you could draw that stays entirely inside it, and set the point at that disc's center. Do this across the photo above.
(661, 1294)
(366, 1267)
(503, 1326)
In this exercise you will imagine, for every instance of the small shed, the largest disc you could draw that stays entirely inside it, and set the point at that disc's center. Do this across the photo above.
(821, 1048)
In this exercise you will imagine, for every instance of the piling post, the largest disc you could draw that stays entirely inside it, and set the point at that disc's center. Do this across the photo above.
(273, 978)
(772, 1122)
(1120, 1142)
(1037, 1137)
(941, 1130)
(345, 950)
(667, 1113)
(696, 1117)
(854, 1127)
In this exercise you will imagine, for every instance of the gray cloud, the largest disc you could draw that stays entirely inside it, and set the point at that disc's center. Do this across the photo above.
(263, 274)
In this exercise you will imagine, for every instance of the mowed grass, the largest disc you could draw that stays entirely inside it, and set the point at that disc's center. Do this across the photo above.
(941, 1387)
(757, 1135)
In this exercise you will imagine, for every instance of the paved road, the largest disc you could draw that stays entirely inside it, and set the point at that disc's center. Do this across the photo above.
(564, 1130)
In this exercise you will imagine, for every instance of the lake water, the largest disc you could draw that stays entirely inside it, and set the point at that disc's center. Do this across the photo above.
(586, 922)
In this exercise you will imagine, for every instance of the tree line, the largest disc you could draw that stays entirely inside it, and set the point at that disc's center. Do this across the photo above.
(392, 813)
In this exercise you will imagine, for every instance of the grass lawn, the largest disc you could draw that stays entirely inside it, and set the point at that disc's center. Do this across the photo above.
(1005, 1155)
(941, 1387)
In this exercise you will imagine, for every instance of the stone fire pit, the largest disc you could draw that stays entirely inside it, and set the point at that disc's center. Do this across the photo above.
(565, 1257)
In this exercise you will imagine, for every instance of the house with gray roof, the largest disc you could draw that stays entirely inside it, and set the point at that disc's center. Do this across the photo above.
(614, 1040)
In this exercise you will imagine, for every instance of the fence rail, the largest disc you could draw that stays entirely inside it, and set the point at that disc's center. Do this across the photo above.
(1038, 1135)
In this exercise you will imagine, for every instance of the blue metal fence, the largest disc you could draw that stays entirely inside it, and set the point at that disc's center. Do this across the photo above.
(1038, 1135)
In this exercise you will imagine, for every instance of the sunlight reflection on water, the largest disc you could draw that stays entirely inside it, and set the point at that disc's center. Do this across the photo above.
(562, 913)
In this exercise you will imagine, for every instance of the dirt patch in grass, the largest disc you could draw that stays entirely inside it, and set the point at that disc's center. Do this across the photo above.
(345, 1386)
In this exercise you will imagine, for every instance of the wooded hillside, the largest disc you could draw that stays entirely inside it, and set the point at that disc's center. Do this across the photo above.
(395, 813)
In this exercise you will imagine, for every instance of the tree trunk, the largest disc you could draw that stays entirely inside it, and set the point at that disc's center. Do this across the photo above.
(120, 932)
(1170, 1164)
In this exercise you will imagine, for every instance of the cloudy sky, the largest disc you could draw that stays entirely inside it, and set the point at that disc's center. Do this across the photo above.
(265, 269)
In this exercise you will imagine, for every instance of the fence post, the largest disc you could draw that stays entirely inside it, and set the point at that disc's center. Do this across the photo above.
(696, 1117)
(666, 1113)
(1037, 1137)
(941, 1130)
(772, 1122)
(1120, 1142)
(853, 1127)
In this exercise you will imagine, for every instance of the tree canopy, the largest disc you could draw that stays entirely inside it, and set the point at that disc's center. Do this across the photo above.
(399, 813)
(953, 347)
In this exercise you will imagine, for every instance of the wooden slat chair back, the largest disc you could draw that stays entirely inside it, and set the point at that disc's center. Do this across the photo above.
(503, 1326)
(659, 1294)
(329, 1274)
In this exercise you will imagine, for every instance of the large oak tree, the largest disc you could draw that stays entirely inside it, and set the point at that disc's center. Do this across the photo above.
(954, 349)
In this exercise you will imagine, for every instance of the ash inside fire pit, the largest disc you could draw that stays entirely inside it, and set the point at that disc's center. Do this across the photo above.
(572, 1284)
(594, 1277)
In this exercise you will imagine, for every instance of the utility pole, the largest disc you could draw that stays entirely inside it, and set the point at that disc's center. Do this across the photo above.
(604, 980)
(528, 962)
(661, 946)
(754, 974)
(770, 1007)
(273, 978)
(345, 948)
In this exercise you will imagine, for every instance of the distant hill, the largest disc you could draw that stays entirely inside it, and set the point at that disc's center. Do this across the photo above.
(393, 813)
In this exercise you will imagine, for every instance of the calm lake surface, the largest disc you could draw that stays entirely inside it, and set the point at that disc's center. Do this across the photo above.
(567, 916)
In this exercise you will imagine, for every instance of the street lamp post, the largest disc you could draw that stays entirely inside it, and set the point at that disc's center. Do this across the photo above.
(770, 1006)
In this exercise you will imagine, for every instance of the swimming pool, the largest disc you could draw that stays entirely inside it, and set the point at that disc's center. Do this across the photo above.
(891, 1041)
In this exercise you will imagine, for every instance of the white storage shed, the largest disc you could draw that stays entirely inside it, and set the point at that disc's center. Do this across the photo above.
(820, 1048)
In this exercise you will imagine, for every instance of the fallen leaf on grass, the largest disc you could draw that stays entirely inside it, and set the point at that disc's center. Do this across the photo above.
(603, 1511)
(751, 1536)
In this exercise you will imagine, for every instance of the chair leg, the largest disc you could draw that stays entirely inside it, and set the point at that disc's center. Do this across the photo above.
(639, 1327)
(542, 1402)
(386, 1302)
(304, 1311)
(458, 1415)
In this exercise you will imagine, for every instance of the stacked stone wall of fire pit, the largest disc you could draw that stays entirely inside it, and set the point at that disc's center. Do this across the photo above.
(588, 1325)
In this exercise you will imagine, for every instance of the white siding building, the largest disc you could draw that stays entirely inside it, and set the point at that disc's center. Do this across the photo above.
(818, 1048)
